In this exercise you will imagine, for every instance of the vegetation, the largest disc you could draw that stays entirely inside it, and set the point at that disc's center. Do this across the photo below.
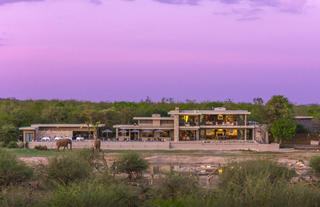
(67, 169)
(12, 171)
(12, 144)
(15, 113)
(131, 163)
(315, 163)
(40, 147)
(283, 129)
(248, 183)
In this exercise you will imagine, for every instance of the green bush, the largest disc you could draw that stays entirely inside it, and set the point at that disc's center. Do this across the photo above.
(93, 194)
(12, 171)
(9, 133)
(18, 196)
(12, 144)
(2, 144)
(41, 148)
(238, 173)
(175, 184)
(131, 163)
(68, 168)
(315, 163)
(182, 201)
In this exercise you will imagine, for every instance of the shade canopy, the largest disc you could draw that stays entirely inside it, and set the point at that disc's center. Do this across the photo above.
(147, 131)
(135, 131)
(123, 131)
(159, 131)
(106, 131)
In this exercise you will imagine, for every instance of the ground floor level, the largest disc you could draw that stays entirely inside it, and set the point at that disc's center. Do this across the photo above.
(185, 134)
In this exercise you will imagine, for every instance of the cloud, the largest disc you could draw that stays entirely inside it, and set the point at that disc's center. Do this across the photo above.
(179, 2)
(293, 6)
(97, 2)
(2, 2)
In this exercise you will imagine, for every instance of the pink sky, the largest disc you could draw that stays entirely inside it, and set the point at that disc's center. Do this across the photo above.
(111, 50)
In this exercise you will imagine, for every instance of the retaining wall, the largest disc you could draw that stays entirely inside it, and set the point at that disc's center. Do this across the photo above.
(166, 146)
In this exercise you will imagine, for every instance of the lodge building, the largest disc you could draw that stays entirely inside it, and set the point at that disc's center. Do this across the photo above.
(194, 125)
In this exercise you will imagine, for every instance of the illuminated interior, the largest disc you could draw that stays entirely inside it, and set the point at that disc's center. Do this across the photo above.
(216, 134)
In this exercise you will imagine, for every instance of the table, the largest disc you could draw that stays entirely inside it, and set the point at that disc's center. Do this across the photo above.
(79, 138)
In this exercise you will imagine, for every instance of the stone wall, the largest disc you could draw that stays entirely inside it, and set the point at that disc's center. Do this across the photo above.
(166, 146)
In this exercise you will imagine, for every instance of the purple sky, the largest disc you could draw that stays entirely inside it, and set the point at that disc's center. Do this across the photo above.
(107, 50)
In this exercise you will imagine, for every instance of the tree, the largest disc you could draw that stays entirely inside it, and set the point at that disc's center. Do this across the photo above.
(131, 163)
(283, 129)
(278, 107)
(258, 111)
(9, 133)
(258, 101)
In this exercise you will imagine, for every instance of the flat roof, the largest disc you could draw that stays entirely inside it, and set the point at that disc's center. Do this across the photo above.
(303, 117)
(142, 127)
(35, 126)
(211, 112)
(153, 118)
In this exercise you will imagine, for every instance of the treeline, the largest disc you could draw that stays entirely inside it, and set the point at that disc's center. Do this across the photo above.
(18, 113)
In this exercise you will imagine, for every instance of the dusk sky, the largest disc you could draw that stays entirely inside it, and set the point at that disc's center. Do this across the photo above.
(114, 50)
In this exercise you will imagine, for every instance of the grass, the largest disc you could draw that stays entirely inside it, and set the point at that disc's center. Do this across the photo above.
(35, 153)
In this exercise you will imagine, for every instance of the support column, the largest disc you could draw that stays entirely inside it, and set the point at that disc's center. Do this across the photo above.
(117, 133)
(129, 134)
(245, 134)
(198, 134)
(245, 124)
(176, 128)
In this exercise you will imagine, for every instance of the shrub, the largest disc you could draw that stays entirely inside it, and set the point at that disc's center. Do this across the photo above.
(18, 196)
(315, 163)
(283, 129)
(93, 194)
(41, 148)
(2, 144)
(12, 171)
(261, 192)
(131, 163)
(176, 184)
(9, 133)
(238, 173)
(68, 168)
(182, 201)
(20, 144)
(12, 144)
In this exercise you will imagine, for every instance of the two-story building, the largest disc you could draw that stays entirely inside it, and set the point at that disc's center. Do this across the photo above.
(194, 125)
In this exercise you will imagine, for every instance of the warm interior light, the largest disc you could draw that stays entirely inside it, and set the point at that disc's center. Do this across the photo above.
(186, 118)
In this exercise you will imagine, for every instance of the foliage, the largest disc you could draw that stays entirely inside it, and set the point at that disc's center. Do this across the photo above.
(2, 144)
(9, 133)
(238, 173)
(18, 196)
(93, 194)
(191, 200)
(67, 169)
(12, 171)
(315, 163)
(278, 107)
(175, 184)
(283, 129)
(12, 144)
(41, 148)
(131, 163)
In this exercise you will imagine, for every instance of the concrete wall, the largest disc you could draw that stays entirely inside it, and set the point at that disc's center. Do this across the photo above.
(166, 146)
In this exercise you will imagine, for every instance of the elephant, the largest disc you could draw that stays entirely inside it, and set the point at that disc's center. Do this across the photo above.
(64, 143)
